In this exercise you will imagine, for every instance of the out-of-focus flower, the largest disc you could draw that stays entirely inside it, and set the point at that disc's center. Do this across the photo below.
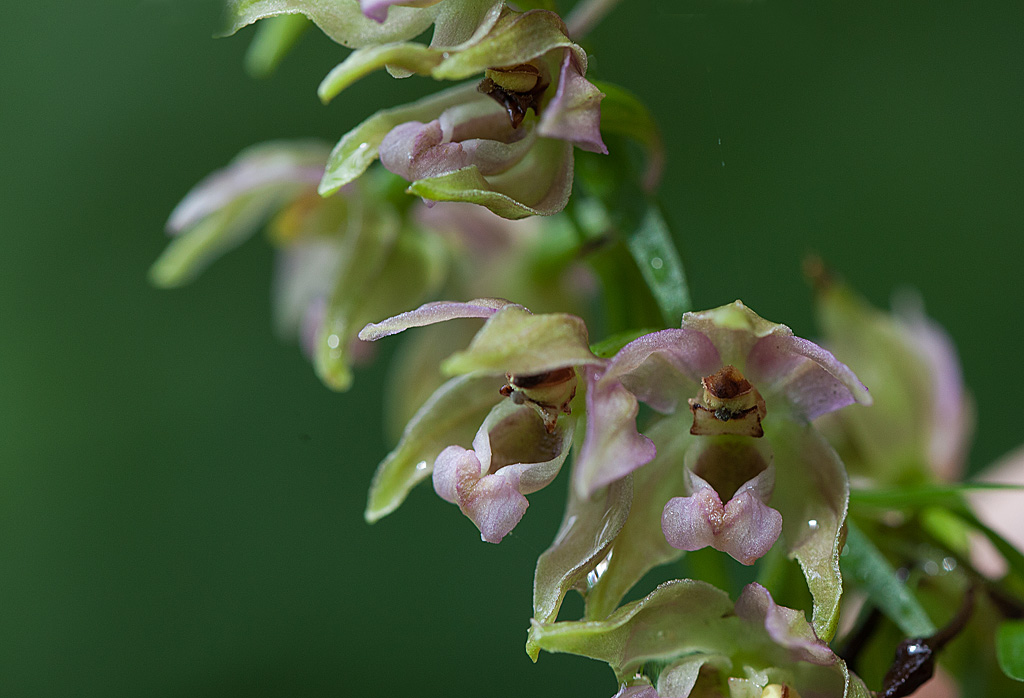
(707, 646)
(712, 480)
(526, 434)
(920, 425)
(342, 260)
(480, 144)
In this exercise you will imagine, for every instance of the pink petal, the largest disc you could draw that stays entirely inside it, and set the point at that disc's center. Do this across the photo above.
(613, 447)
(432, 313)
(574, 113)
(415, 150)
(809, 378)
(664, 368)
(786, 626)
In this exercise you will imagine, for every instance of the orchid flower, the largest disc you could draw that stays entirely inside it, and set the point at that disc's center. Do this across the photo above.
(339, 258)
(526, 434)
(920, 425)
(707, 646)
(479, 144)
(738, 468)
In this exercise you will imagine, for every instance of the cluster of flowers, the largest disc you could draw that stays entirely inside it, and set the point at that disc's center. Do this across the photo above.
(744, 447)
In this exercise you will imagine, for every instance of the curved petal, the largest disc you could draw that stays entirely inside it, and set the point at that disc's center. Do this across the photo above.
(450, 416)
(588, 528)
(415, 150)
(786, 626)
(612, 447)
(810, 379)
(574, 113)
(432, 313)
(377, 10)
(515, 341)
(664, 368)
(811, 493)
(513, 455)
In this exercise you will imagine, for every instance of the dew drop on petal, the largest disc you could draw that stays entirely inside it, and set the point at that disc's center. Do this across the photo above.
(333, 341)
(948, 564)
(421, 466)
(813, 524)
(657, 263)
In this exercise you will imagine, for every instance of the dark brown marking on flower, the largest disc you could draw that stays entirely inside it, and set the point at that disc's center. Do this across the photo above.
(728, 404)
(516, 88)
(559, 375)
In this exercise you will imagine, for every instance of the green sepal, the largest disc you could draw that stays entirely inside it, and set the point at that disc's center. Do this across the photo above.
(274, 38)
(451, 416)
(514, 340)
(811, 493)
(865, 566)
(588, 529)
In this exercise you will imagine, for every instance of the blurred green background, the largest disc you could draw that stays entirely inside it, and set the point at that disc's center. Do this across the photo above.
(181, 501)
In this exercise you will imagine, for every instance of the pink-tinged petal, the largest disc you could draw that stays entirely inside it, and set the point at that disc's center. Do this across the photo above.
(809, 379)
(786, 626)
(574, 113)
(513, 455)
(664, 368)
(432, 313)
(454, 465)
(745, 527)
(414, 150)
(613, 447)
(952, 416)
(277, 164)
(495, 505)
(689, 523)
(733, 330)
(377, 10)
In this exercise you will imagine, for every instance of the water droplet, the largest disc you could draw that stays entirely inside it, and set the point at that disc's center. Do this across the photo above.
(363, 146)
(931, 567)
(657, 263)
(948, 564)
(445, 55)
(421, 466)
(813, 524)
(566, 529)
(333, 341)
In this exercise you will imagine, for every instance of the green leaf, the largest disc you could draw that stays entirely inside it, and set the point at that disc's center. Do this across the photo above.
(656, 256)
(920, 496)
(1010, 648)
(451, 416)
(864, 565)
(623, 114)
(274, 38)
